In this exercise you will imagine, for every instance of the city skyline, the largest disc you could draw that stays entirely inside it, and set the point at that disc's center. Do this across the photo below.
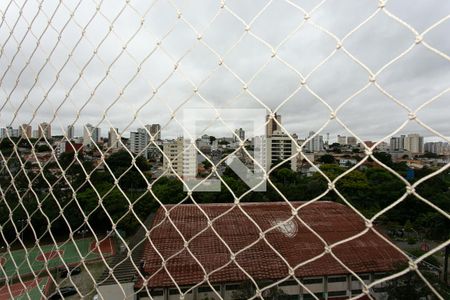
(412, 80)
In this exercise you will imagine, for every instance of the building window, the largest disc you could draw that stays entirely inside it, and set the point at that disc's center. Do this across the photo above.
(310, 297)
(337, 293)
(312, 280)
(356, 292)
(288, 282)
(232, 287)
(337, 279)
(156, 293)
(362, 276)
(207, 289)
(173, 292)
(379, 275)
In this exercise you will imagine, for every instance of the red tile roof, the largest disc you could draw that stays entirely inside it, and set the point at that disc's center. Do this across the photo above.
(295, 243)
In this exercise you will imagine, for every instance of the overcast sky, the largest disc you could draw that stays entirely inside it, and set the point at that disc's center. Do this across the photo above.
(158, 88)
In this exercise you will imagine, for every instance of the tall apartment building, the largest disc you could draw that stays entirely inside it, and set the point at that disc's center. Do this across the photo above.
(397, 143)
(280, 147)
(414, 143)
(113, 139)
(45, 130)
(139, 141)
(439, 148)
(315, 144)
(155, 131)
(70, 132)
(9, 132)
(25, 131)
(182, 156)
(271, 125)
(342, 140)
(239, 133)
(91, 135)
(352, 141)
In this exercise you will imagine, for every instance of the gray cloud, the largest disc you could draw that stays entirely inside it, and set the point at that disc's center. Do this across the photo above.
(413, 79)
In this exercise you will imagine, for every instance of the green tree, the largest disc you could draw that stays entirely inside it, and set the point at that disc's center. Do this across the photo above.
(327, 159)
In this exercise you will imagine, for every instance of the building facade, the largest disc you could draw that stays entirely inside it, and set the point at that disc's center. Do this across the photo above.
(315, 144)
(70, 132)
(414, 143)
(155, 131)
(26, 131)
(113, 139)
(280, 147)
(45, 130)
(91, 135)
(139, 141)
(272, 125)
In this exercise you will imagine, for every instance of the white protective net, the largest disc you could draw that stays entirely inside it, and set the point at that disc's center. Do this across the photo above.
(86, 213)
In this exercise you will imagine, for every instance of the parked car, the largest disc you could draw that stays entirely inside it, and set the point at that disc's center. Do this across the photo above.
(71, 271)
(63, 292)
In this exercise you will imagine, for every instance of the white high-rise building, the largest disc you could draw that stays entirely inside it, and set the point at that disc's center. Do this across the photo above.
(342, 140)
(280, 147)
(439, 148)
(182, 156)
(45, 130)
(352, 141)
(91, 135)
(138, 142)
(113, 139)
(25, 131)
(397, 143)
(315, 144)
(414, 143)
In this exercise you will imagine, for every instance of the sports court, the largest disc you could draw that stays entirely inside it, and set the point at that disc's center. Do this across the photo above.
(35, 260)
(28, 290)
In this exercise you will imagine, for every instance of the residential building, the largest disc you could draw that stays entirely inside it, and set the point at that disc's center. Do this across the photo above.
(352, 141)
(155, 131)
(9, 132)
(272, 125)
(239, 135)
(315, 144)
(91, 135)
(45, 130)
(139, 141)
(439, 148)
(342, 140)
(383, 147)
(280, 147)
(26, 131)
(182, 156)
(70, 132)
(414, 143)
(397, 143)
(113, 139)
